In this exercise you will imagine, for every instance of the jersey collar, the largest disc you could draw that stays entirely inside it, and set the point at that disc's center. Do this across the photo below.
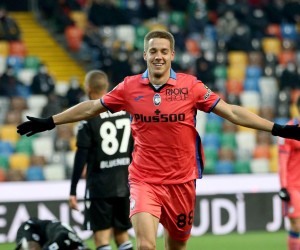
(172, 80)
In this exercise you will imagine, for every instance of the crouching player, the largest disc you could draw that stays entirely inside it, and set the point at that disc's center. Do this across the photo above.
(36, 234)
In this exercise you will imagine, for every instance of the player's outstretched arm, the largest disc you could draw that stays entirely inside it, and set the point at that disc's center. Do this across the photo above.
(243, 117)
(81, 111)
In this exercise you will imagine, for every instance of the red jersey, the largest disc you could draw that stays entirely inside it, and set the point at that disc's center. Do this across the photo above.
(167, 147)
(289, 160)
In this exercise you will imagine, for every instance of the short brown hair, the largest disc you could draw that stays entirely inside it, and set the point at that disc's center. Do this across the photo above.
(159, 34)
(96, 80)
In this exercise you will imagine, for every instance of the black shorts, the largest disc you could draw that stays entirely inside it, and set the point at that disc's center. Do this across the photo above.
(104, 213)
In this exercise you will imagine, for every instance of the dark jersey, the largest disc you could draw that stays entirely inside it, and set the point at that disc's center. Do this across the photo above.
(108, 140)
(49, 234)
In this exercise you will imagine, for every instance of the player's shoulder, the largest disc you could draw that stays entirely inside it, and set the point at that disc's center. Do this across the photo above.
(133, 78)
(186, 78)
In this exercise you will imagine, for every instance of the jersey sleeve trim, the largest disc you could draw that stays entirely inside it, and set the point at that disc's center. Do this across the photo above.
(103, 103)
(214, 105)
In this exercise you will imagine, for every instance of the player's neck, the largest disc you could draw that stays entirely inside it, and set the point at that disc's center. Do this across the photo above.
(159, 80)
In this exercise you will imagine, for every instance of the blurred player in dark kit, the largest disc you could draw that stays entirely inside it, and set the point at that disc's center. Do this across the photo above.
(37, 234)
(105, 144)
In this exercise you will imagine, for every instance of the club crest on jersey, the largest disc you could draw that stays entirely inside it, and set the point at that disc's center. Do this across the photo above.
(156, 99)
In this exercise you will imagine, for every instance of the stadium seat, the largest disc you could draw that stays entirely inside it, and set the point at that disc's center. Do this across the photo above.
(241, 167)
(140, 32)
(260, 166)
(32, 62)
(15, 61)
(213, 126)
(125, 33)
(269, 90)
(253, 71)
(236, 72)
(237, 58)
(4, 161)
(271, 45)
(17, 48)
(209, 166)
(70, 156)
(289, 30)
(4, 107)
(250, 99)
(43, 146)
(220, 72)
(2, 64)
(2, 175)
(211, 140)
(6, 148)
(34, 173)
(228, 140)
(262, 151)
(24, 145)
(246, 140)
(19, 161)
(177, 19)
(80, 19)
(251, 84)
(26, 76)
(61, 88)
(210, 154)
(274, 29)
(287, 56)
(224, 167)
(54, 172)
(234, 87)
(73, 35)
(4, 48)
(256, 58)
(36, 103)
(226, 154)
(192, 47)
(9, 133)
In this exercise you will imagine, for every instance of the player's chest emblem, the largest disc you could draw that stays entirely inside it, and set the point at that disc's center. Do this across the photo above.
(156, 99)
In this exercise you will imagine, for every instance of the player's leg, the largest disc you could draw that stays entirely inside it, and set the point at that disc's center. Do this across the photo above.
(171, 244)
(177, 214)
(145, 227)
(121, 223)
(293, 234)
(29, 245)
(145, 211)
(293, 212)
(98, 218)
(102, 239)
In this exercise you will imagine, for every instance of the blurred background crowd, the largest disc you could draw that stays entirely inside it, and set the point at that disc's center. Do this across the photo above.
(247, 51)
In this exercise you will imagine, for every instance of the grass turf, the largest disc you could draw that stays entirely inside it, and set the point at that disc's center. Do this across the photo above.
(247, 241)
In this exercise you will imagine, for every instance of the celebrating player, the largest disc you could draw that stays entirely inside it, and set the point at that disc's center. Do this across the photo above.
(289, 174)
(105, 144)
(167, 155)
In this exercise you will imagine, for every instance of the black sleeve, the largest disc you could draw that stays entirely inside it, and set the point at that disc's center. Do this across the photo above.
(79, 162)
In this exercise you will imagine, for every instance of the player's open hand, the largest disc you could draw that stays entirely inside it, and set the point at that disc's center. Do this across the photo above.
(287, 131)
(35, 125)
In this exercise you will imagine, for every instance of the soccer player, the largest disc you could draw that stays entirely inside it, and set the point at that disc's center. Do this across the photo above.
(36, 234)
(167, 156)
(289, 173)
(105, 144)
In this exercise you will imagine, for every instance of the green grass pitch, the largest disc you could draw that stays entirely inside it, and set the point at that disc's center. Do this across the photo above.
(247, 241)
